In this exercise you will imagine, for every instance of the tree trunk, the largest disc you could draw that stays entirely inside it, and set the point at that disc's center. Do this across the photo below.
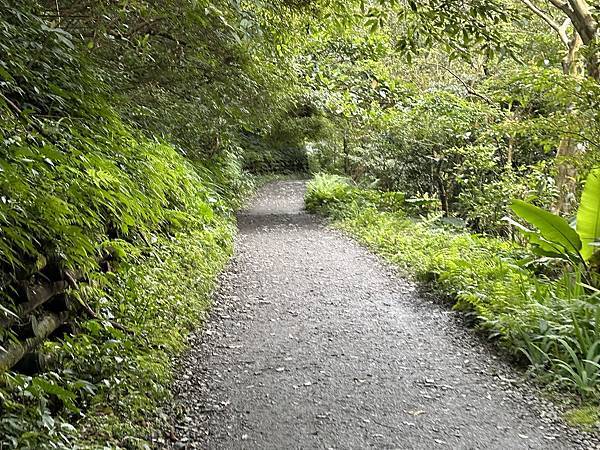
(510, 151)
(586, 28)
(570, 63)
(580, 16)
(593, 66)
(17, 350)
(441, 188)
(566, 176)
(346, 154)
(566, 170)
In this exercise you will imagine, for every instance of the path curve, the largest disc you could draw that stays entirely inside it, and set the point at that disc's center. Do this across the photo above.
(314, 342)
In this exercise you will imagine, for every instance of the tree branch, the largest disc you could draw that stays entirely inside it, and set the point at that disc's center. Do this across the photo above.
(585, 23)
(564, 26)
(561, 30)
(560, 5)
(564, 7)
(580, 7)
(581, 18)
(469, 89)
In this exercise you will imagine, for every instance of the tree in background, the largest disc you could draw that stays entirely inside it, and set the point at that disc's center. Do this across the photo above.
(577, 29)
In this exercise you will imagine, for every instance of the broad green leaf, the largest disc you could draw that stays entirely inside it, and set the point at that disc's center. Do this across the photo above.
(541, 247)
(588, 215)
(553, 228)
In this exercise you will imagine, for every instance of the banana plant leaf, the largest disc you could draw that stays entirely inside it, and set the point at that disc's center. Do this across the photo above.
(588, 215)
(552, 228)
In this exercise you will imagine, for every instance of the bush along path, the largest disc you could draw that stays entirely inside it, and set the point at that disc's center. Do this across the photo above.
(313, 342)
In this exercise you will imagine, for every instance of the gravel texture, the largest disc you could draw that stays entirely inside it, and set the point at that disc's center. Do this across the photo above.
(313, 342)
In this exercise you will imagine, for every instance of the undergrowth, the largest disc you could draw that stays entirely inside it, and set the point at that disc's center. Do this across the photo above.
(110, 382)
(140, 230)
(174, 236)
(550, 321)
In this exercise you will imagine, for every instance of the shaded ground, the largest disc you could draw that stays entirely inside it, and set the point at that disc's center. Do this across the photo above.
(315, 343)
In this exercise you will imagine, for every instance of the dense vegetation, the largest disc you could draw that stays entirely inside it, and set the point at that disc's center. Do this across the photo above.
(130, 130)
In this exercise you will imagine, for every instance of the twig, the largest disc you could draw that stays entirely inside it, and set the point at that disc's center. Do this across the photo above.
(11, 104)
(17, 111)
(58, 12)
(469, 89)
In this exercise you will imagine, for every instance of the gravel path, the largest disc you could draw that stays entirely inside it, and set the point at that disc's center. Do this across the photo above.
(315, 343)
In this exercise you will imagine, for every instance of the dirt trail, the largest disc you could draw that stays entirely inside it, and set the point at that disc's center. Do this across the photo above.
(315, 343)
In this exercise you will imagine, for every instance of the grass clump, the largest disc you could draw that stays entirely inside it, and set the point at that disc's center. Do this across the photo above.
(586, 417)
(333, 195)
(548, 320)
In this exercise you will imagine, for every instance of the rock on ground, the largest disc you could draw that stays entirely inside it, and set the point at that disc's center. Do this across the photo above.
(314, 342)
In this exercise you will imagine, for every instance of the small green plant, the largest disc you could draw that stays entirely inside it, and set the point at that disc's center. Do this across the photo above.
(327, 191)
(582, 372)
(332, 194)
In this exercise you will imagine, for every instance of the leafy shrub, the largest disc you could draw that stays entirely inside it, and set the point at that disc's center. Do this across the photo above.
(555, 238)
(70, 203)
(328, 193)
(107, 381)
(473, 155)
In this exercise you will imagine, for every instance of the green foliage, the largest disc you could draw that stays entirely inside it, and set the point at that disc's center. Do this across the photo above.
(555, 237)
(325, 192)
(109, 382)
(585, 417)
(471, 156)
(559, 334)
(555, 232)
(283, 150)
(588, 215)
(552, 322)
(127, 129)
(332, 194)
(463, 26)
(194, 73)
(81, 185)
(168, 233)
(473, 135)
